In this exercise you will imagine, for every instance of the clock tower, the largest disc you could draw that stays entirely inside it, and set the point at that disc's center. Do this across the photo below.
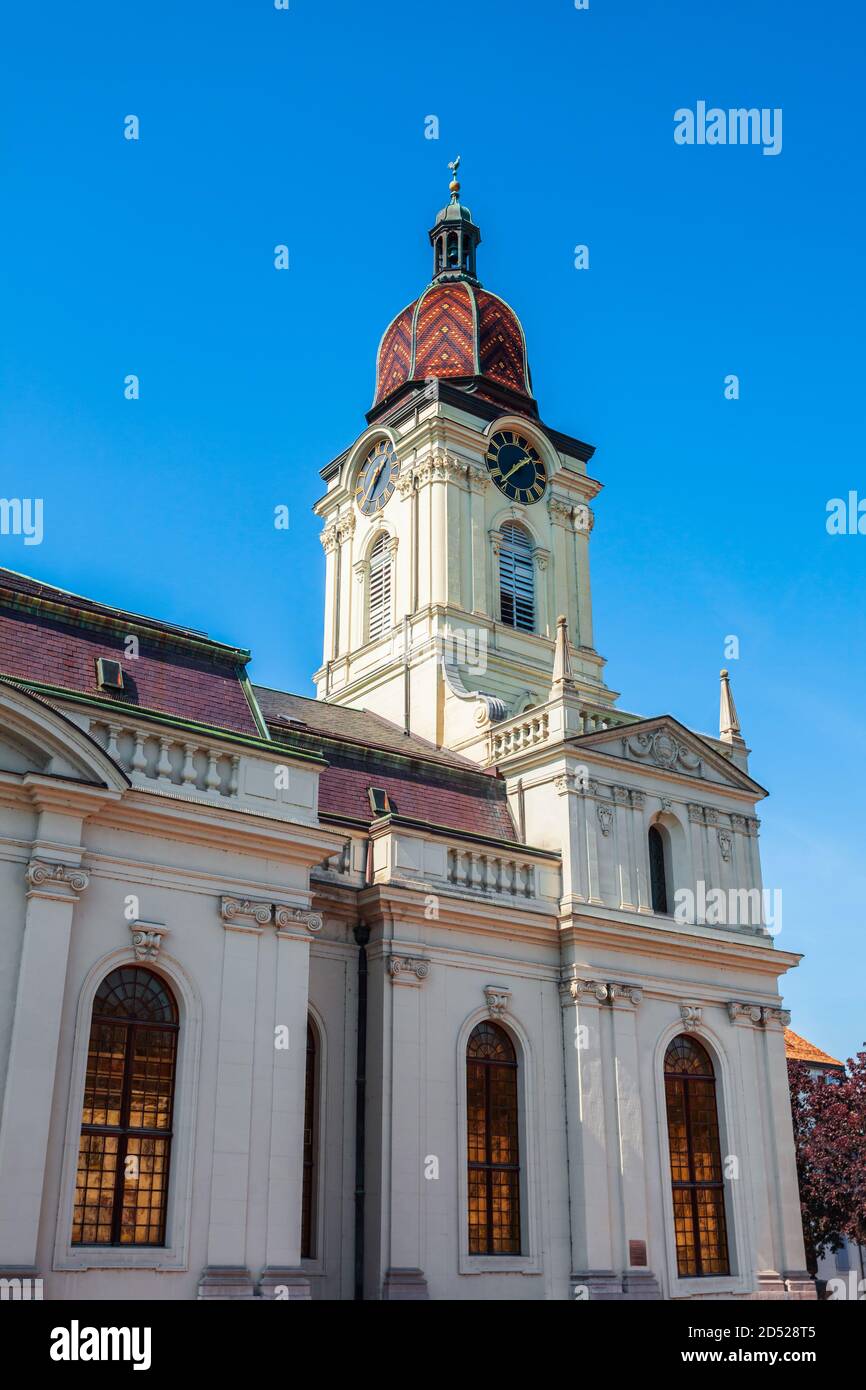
(456, 527)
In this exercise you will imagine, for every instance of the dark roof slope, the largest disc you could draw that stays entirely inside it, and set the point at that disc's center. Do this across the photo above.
(364, 750)
(52, 638)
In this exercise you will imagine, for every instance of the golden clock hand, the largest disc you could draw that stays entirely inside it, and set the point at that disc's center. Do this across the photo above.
(519, 464)
(374, 480)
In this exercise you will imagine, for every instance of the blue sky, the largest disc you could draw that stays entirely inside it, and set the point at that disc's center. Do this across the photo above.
(306, 127)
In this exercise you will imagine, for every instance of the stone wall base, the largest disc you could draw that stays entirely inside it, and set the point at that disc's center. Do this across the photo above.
(602, 1285)
(291, 1285)
(401, 1285)
(225, 1282)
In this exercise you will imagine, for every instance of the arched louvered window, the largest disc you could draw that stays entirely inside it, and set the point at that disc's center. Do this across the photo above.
(379, 602)
(494, 1156)
(516, 582)
(696, 1161)
(308, 1197)
(658, 872)
(126, 1123)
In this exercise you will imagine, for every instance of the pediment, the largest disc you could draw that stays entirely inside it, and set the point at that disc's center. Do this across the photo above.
(664, 744)
(36, 737)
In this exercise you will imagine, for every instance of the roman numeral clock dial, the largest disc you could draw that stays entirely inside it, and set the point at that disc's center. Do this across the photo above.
(516, 467)
(377, 478)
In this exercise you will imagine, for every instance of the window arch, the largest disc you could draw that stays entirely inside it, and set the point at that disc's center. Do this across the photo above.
(379, 588)
(493, 1142)
(659, 858)
(516, 579)
(311, 1147)
(696, 1162)
(126, 1123)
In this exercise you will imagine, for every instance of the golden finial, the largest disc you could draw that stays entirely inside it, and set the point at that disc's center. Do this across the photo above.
(454, 185)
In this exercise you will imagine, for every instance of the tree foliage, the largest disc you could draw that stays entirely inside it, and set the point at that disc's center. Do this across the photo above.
(830, 1137)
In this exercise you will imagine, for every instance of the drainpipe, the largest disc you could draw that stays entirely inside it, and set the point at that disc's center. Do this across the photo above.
(362, 936)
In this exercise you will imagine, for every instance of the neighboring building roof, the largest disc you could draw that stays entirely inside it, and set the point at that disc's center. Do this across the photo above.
(364, 750)
(50, 640)
(797, 1049)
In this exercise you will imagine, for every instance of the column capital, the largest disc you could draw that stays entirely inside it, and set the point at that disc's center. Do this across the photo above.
(53, 879)
(572, 990)
(285, 917)
(245, 914)
(408, 970)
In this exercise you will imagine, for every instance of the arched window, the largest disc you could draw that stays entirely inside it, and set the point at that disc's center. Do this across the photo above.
(494, 1158)
(308, 1199)
(126, 1123)
(379, 603)
(453, 252)
(516, 584)
(658, 871)
(696, 1162)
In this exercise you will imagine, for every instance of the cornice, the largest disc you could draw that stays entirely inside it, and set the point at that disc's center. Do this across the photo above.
(701, 944)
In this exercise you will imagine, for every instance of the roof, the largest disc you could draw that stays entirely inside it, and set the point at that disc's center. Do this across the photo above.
(454, 329)
(364, 750)
(50, 640)
(797, 1049)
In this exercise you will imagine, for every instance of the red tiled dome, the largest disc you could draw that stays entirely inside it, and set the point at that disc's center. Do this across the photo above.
(454, 329)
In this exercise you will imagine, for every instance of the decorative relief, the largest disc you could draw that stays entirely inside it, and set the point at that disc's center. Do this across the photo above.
(691, 1016)
(406, 483)
(541, 558)
(401, 968)
(638, 800)
(328, 537)
(602, 991)
(725, 845)
(574, 988)
(662, 749)
(241, 910)
(605, 818)
(288, 916)
(758, 1014)
(147, 939)
(665, 804)
(345, 526)
(628, 993)
(559, 512)
(40, 873)
(738, 823)
(498, 999)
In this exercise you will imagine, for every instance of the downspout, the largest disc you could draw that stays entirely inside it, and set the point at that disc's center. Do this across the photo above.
(362, 936)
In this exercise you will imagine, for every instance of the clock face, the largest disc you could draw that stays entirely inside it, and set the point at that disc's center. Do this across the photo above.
(516, 468)
(377, 478)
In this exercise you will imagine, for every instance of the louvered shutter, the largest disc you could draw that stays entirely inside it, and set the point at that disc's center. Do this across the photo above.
(516, 582)
(379, 602)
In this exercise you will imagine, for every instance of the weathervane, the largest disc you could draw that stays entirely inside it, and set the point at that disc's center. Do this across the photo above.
(454, 165)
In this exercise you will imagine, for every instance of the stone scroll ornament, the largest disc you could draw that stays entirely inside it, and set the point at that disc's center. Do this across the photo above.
(40, 873)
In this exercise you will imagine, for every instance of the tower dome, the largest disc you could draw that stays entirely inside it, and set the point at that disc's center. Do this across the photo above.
(456, 329)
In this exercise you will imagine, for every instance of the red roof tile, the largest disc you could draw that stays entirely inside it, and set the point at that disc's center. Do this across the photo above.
(797, 1049)
(50, 637)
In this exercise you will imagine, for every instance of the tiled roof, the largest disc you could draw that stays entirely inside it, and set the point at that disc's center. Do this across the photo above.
(797, 1049)
(49, 637)
(359, 726)
(364, 750)
(453, 329)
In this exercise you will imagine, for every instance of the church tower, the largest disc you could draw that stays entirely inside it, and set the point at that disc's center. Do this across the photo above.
(456, 527)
